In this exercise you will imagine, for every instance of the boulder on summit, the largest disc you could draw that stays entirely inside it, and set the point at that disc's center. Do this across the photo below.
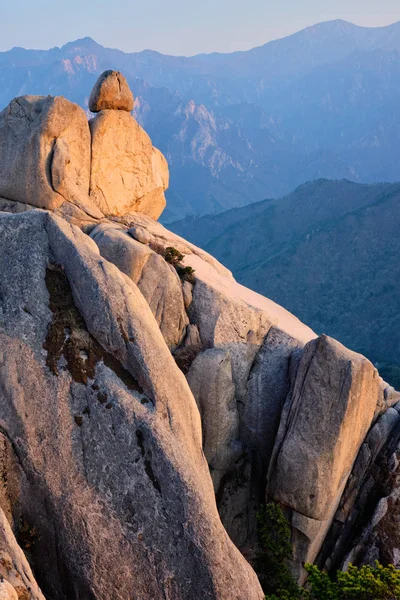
(111, 91)
(49, 155)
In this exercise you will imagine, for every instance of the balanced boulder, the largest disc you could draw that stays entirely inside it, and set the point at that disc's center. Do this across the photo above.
(111, 91)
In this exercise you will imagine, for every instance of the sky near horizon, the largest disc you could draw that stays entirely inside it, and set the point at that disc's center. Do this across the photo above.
(182, 27)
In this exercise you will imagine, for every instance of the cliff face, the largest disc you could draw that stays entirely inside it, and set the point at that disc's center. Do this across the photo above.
(150, 404)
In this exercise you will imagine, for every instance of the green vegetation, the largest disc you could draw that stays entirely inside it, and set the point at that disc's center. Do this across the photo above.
(175, 258)
(365, 583)
(275, 549)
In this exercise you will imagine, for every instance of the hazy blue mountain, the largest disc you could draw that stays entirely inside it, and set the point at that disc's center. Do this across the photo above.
(240, 127)
(329, 252)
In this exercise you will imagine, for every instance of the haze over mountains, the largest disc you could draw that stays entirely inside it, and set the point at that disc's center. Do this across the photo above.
(238, 128)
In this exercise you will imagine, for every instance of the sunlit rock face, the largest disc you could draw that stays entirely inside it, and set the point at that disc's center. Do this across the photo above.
(111, 91)
(49, 155)
(127, 173)
(45, 153)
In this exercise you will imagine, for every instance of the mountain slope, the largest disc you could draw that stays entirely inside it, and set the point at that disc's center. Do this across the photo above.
(240, 127)
(327, 252)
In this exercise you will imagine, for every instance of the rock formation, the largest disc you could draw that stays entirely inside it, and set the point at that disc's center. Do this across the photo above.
(111, 91)
(50, 155)
(127, 173)
(124, 372)
(45, 153)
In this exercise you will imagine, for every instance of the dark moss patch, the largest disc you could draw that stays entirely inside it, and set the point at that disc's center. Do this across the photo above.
(102, 398)
(68, 336)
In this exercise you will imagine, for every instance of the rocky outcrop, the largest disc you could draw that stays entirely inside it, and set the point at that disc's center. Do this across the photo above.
(127, 172)
(104, 430)
(157, 280)
(49, 156)
(261, 393)
(111, 91)
(45, 153)
(133, 367)
(215, 396)
(326, 419)
(327, 414)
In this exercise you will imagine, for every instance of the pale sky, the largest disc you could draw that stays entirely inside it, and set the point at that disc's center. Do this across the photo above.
(177, 26)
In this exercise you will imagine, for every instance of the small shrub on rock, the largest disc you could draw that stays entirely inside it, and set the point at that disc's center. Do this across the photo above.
(173, 256)
(275, 549)
(364, 583)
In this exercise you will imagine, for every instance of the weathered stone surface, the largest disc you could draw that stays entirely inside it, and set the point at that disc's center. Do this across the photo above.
(326, 418)
(380, 535)
(127, 172)
(45, 153)
(157, 280)
(372, 477)
(165, 238)
(105, 429)
(215, 397)
(140, 234)
(187, 289)
(111, 91)
(268, 387)
(17, 581)
(7, 591)
(72, 213)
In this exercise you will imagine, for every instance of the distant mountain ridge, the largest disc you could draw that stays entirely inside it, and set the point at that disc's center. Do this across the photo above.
(328, 252)
(240, 127)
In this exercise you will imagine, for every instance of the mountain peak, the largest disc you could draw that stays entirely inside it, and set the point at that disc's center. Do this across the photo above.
(87, 43)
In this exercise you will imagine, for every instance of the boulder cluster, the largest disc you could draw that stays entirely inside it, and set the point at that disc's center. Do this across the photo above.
(50, 154)
(149, 403)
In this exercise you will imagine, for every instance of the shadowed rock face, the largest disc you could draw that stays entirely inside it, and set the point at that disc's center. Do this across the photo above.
(17, 581)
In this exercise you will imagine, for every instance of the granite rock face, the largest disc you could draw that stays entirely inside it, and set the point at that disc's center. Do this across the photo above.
(326, 419)
(45, 153)
(147, 398)
(111, 91)
(157, 280)
(49, 156)
(105, 433)
(285, 416)
(127, 172)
